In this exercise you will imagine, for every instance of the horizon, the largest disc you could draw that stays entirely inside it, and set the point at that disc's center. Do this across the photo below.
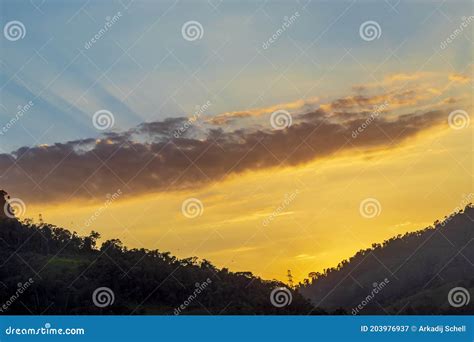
(436, 223)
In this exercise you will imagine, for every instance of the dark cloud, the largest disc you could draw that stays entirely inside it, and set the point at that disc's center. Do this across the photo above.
(149, 157)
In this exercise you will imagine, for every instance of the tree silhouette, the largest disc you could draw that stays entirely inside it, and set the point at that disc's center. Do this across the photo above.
(67, 268)
(6, 210)
(421, 265)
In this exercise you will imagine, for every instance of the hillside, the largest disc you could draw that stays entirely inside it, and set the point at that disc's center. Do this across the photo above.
(59, 272)
(48, 270)
(406, 274)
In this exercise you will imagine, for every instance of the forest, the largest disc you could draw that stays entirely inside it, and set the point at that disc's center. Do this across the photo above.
(62, 271)
(45, 269)
(417, 269)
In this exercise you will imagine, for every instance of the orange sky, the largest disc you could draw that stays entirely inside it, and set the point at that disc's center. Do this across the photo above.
(293, 154)
(303, 218)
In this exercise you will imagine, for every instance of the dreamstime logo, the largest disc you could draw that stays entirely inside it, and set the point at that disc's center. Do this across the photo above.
(14, 207)
(370, 30)
(374, 115)
(103, 297)
(287, 22)
(466, 21)
(370, 208)
(458, 296)
(289, 198)
(103, 119)
(192, 208)
(192, 30)
(14, 30)
(464, 202)
(377, 287)
(458, 119)
(281, 119)
(22, 110)
(109, 22)
(46, 330)
(107, 204)
(22, 287)
(188, 123)
(281, 297)
(200, 287)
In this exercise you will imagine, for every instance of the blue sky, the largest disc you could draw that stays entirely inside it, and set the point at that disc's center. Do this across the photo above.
(143, 70)
(413, 155)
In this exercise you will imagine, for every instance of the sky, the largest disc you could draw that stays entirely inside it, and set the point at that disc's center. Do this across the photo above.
(261, 135)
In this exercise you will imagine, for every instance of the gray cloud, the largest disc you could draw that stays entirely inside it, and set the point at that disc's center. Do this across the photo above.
(148, 158)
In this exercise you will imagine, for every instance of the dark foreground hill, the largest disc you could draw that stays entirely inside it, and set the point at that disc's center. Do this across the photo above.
(48, 270)
(409, 274)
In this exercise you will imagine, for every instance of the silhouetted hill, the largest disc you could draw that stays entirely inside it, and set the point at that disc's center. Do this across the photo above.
(407, 274)
(48, 270)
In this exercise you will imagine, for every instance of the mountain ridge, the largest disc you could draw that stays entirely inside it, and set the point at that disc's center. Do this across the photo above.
(410, 274)
(413, 264)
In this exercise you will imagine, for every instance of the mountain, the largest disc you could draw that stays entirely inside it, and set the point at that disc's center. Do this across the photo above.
(46, 269)
(409, 274)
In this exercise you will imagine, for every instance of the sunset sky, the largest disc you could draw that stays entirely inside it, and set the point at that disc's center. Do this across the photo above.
(385, 121)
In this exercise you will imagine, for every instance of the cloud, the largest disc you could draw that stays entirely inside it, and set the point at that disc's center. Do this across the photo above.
(228, 117)
(459, 78)
(403, 77)
(149, 158)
